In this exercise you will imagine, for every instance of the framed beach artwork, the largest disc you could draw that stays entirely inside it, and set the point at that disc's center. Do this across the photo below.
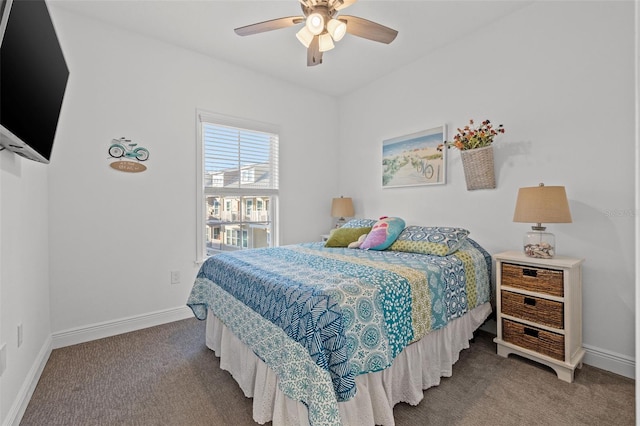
(414, 159)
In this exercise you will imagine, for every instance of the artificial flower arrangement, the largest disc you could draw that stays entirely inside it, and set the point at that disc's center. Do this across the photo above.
(471, 137)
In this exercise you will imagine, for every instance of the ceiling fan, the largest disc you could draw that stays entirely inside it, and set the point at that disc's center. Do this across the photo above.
(323, 26)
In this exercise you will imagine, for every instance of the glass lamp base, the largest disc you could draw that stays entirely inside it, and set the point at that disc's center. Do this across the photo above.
(540, 244)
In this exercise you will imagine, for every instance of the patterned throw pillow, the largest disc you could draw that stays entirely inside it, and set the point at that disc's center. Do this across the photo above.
(383, 233)
(437, 240)
(342, 237)
(359, 223)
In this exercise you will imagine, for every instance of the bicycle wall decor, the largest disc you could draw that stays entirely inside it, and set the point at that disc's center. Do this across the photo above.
(124, 150)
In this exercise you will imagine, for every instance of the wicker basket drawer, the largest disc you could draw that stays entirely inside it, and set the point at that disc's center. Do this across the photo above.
(534, 309)
(535, 339)
(540, 280)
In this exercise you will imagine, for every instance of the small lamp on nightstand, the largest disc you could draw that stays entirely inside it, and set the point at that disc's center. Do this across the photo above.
(341, 207)
(541, 204)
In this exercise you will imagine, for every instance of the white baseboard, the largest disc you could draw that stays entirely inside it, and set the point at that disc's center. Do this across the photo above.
(596, 357)
(610, 361)
(123, 325)
(21, 402)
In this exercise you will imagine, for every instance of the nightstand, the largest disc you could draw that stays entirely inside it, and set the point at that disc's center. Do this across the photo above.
(539, 310)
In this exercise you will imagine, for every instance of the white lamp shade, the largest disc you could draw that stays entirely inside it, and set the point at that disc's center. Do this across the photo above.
(325, 42)
(315, 23)
(305, 36)
(337, 29)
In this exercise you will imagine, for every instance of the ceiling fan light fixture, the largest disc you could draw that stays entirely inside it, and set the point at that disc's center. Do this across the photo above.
(325, 42)
(337, 29)
(305, 36)
(322, 27)
(315, 23)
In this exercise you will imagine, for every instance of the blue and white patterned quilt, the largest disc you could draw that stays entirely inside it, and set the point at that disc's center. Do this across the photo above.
(321, 316)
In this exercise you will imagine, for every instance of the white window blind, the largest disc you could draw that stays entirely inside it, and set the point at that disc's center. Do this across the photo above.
(236, 158)
(237, 171)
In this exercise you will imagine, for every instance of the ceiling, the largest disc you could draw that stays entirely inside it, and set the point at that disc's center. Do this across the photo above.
(206, 26)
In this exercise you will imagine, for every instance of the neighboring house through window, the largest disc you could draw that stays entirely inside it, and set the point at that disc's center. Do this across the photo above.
(238, 181)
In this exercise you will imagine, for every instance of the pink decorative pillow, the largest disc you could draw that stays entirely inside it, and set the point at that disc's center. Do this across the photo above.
(383, 233)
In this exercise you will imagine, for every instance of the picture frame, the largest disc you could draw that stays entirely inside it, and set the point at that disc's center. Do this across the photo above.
(414, 159)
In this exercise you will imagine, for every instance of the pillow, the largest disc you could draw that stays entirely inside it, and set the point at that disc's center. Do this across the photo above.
(437, 240)
(383, 233)
(359, 223)
(341, 237)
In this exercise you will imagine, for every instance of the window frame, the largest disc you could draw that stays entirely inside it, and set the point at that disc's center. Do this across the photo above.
(250, 125)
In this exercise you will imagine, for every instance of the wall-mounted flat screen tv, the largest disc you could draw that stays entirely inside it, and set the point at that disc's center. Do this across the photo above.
(33, 79)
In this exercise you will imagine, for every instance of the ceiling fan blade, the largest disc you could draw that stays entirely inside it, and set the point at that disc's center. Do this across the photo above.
(368, 29)
(341, 4)
(314, 55)
(274, 24)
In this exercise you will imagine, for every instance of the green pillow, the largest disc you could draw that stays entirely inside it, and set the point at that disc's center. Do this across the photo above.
(342, 237)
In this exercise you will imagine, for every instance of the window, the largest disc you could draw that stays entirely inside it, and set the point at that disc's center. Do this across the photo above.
(238, 181)
(248, 175)
(216, 208)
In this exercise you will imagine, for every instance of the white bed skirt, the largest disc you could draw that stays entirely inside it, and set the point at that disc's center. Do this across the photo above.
(419, 366)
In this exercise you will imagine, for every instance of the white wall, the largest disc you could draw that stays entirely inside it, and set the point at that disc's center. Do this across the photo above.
(24, 276)
(559, 76)
(114, 236)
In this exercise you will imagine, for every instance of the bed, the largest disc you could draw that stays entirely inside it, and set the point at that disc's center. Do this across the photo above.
(335, 335)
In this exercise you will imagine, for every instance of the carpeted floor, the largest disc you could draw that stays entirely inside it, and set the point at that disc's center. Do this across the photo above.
(166, 376)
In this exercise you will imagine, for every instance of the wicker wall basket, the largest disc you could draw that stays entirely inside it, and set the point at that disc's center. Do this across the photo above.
(478, 168)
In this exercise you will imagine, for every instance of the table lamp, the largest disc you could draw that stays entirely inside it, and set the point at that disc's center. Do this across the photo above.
(541, 204)
(341, 207)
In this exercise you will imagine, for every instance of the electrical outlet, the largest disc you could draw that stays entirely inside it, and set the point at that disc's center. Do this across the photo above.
(20, 335)
(175, 277)
(3, 358)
